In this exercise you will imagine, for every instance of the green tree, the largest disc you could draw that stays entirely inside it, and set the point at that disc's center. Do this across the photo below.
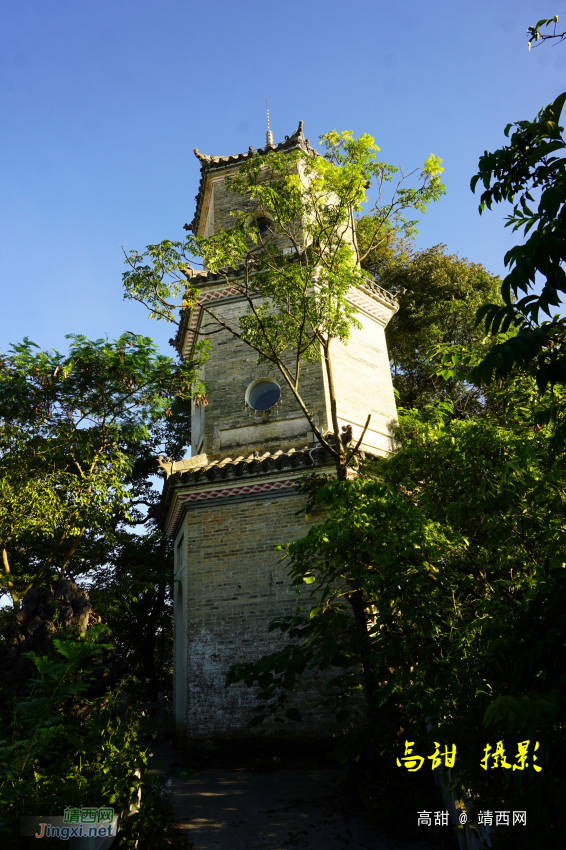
(531, 167)
(450, 553)
(62, 746)
(132, 590)
(296, 273)
(72, 429)
(79, 434)
(439, 295)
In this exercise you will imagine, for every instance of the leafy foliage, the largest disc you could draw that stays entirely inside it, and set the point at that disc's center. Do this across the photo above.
(436, 586)
(439, 295)
(60, 746)
(532, 165)
(437, 579)
(152, 827)
(538, 37)
(74, 436)
(133, 592)
(79, 436)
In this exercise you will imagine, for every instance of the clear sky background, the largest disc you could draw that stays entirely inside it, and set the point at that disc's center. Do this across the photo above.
(103, 102)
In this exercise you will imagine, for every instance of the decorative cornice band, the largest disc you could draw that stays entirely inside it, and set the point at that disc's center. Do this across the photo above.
(209, 295)
(370, 305)
(381, 305)
(237, 490)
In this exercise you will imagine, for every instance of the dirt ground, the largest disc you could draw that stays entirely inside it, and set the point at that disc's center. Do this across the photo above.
(239, 809)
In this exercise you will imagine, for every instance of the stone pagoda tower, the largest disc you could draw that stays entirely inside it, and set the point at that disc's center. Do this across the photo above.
(235, 498)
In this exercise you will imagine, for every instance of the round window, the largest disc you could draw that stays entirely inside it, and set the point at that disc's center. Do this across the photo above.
(263, 394)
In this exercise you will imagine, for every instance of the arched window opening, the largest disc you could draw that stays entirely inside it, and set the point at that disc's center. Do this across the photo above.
(262, 221)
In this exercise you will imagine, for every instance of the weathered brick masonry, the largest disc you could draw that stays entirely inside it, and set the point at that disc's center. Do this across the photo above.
(236, 584)
(230, 582)
(230, 504)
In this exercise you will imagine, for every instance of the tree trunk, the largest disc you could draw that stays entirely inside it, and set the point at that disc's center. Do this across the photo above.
(356, 599)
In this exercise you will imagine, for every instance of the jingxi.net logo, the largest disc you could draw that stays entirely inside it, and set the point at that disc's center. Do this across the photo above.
(87, 822)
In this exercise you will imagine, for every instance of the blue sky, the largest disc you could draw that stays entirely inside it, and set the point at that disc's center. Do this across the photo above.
(102, 103)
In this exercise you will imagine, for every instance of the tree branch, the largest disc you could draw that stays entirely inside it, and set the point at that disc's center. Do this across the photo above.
(358, 444)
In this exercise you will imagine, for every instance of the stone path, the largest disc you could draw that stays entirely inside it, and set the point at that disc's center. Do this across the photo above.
(244, 810)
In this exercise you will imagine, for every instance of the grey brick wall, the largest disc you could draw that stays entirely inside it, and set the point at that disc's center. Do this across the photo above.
(234, 584)
(362, 382)
(231, 366)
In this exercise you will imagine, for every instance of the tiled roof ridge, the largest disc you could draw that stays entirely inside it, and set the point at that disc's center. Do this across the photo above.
(254, 464)
(210, 163)
(290, 141)
(241, 468)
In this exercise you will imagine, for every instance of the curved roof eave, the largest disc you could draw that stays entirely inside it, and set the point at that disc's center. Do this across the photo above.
(213, 163)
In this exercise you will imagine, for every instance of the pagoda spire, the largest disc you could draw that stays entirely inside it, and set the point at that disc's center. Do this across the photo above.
(269, 134)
